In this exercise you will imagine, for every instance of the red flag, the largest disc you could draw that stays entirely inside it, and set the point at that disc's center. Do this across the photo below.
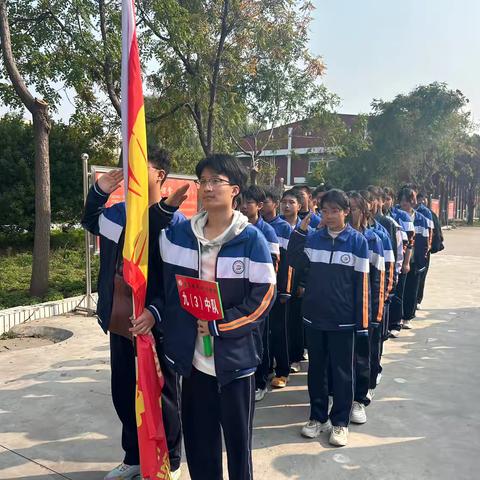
(154, 461)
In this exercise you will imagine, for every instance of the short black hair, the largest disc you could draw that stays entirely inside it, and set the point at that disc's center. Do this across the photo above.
(303, 187)
(224, 164)
(362, 201)
(272, 193)
(407, 193)
(159, 158)
(337, 197)
(376, 192)
(388, 192)
(324, 187)
(366, 194)
(421, 195)
(292, 193)
(254, 192)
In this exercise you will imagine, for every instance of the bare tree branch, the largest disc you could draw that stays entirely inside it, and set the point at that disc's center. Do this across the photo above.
(107, 64)
(17, 80)
(216, 70)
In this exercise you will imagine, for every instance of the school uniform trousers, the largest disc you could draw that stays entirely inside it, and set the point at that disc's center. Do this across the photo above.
(362, 365)
(263, 369)
(396, 305)
(296, 339)
(123, 385)
(208, 409)
(423, 277)
(412, 283)
(279, 352)
(334, 348)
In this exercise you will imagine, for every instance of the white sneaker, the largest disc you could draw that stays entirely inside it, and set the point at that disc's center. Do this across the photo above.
(123, 472)
(379, 378)
(358, 413)
(313, 428)
(260, 394)
(305, 355)
(176, 474)
(406, 325)
(339, 436)
(370, 394)
(295, 367)
(394, 333)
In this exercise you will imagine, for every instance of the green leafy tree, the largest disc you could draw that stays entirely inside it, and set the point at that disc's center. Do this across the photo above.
(418, 135)
(223, 60)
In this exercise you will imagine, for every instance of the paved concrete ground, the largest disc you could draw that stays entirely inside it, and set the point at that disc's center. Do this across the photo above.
(56, 412)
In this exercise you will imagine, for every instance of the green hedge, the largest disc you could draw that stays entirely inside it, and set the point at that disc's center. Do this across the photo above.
(67, 268)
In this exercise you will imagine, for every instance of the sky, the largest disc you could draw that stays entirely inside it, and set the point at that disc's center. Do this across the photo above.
(380, 48)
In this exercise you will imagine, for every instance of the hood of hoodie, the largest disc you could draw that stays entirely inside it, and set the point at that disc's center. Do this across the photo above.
(198, 222)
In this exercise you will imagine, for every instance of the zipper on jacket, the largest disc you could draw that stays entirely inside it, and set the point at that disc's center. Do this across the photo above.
(331, 253)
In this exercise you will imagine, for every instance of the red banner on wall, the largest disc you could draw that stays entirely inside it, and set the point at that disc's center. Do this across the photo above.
(435, 206)
(451, 209)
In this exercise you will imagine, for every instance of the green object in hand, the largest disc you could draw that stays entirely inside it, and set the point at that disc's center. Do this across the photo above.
(207, 345)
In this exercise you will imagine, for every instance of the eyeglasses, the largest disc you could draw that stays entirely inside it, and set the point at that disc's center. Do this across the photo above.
(214, 182)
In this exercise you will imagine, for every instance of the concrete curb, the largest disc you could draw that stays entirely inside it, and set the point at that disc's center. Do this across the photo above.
(17, 315)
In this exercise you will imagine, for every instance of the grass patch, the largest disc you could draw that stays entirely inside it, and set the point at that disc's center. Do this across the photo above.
(67, 268)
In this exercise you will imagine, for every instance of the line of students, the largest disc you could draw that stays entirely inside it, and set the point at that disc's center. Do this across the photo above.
(301, 279)
(352, 265)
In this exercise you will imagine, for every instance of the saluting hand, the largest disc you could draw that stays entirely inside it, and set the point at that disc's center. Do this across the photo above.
(109, 181)
(176, 198)
(306, 221)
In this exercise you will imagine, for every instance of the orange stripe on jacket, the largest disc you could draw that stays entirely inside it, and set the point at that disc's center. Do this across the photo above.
(252, 317)
(289, 279)
(365, 300)
(390, 278)
(381, 299)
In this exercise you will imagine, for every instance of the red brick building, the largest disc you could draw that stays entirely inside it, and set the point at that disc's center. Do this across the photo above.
(293, 149)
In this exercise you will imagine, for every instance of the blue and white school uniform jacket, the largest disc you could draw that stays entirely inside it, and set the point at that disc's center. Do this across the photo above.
(377, 275)
(337, 290)
(283, 231)
(272, 240)
(422, 240)
(108, 224)
(388, 253)
(246, 279)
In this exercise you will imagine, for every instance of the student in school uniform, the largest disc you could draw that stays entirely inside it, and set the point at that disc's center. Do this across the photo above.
(418, 259)
(378, 332)
(307, 205)
(291, 205)
(428, 214)
(252, 202)
(317, 195)
(218, 391)
(359, 217)
(335, 307)
(108, 223)
(278, 317)
(396, 311)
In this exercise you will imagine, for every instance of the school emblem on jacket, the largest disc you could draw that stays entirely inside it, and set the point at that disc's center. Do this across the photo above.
(238, 267)
(345, 259)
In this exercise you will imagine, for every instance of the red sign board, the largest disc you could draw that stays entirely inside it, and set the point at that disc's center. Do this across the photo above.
(435, 206)
(200, 297)
(188, 207)
(451, 209)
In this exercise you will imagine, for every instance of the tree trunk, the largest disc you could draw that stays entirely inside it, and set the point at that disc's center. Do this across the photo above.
(41, 245)
(41, 126)
(470, 203)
